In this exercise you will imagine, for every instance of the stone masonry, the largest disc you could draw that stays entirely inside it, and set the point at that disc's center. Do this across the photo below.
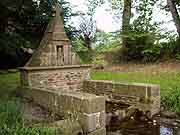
(66, 78)
(87, 109)
(55, 48)
(144, 97)
(53, 78)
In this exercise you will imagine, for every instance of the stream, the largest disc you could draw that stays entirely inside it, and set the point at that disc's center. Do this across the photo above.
(139, 124)
(133, 127)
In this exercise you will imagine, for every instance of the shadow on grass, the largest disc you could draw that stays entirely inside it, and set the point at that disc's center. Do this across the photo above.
(8, 85)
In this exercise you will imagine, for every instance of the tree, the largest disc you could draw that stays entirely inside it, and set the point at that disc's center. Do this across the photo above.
(87, 24)
(126, 16)
(87, 30)
(92, 5)
(174, 11)
(22, 26)
(125, 26)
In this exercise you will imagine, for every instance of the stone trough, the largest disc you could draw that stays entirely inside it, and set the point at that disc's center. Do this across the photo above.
(54, 79)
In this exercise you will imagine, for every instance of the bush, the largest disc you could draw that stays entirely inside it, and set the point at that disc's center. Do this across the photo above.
(139, 46)
(178, 56)
(99, 60)
(152, 53)
(85, 55)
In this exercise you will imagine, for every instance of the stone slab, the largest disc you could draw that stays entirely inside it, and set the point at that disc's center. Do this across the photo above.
(101, 131)
(141, 96)
(128, 89)
(88, 109)
(67, 127)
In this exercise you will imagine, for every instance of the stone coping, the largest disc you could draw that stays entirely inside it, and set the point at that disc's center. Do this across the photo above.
(79, 94)
(126, 83)
(54, 67)
(65, 102)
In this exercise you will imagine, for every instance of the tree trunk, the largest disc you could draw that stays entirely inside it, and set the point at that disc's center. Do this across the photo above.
(126, 16)
(126, 27)
(87, 41)
(172, 7)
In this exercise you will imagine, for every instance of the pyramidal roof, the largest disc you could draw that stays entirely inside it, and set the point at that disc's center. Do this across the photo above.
(53, 36)
(56, 26)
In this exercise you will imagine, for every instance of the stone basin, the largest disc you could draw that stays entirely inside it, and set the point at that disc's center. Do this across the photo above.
(60, 78)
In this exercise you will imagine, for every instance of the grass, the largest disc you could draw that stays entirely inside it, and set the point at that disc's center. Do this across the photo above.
(8, 84)
(168, 81)
(11, 120)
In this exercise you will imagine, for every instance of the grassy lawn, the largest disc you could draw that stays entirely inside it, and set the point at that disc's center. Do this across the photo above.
(11, 120)
(8, 84)
(168, 81)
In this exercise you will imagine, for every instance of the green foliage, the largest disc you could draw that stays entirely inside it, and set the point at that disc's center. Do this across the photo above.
(79, 45)
(11, 122)
(108, 48)
(142, 40)
(99, 60)
(23, 25)
(172, 100)
(86, 57)
(178, 56)
(67, 14)
(144, 11)
(10, 114)
(167, 81)
(106, 42)
(8, 82)
(152, 53)
(81, 50)
(11, 53)
(170, 48)
(141, 46)
(93, 4)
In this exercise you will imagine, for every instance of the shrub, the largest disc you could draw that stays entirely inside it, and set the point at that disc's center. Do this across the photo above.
(178, 56)
(85, 55)
(152, 53)
(99, 60)
(139, 45)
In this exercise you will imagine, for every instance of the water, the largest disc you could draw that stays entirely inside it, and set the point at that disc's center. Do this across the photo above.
(146, 131)
(166, 131)
(140, 128)
(137, 125)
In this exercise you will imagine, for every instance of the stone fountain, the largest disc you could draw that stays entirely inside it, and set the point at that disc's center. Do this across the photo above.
(55, 79)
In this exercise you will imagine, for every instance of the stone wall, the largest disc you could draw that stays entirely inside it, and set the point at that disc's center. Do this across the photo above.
(144, 97)
(65, 78)
(87, 109)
